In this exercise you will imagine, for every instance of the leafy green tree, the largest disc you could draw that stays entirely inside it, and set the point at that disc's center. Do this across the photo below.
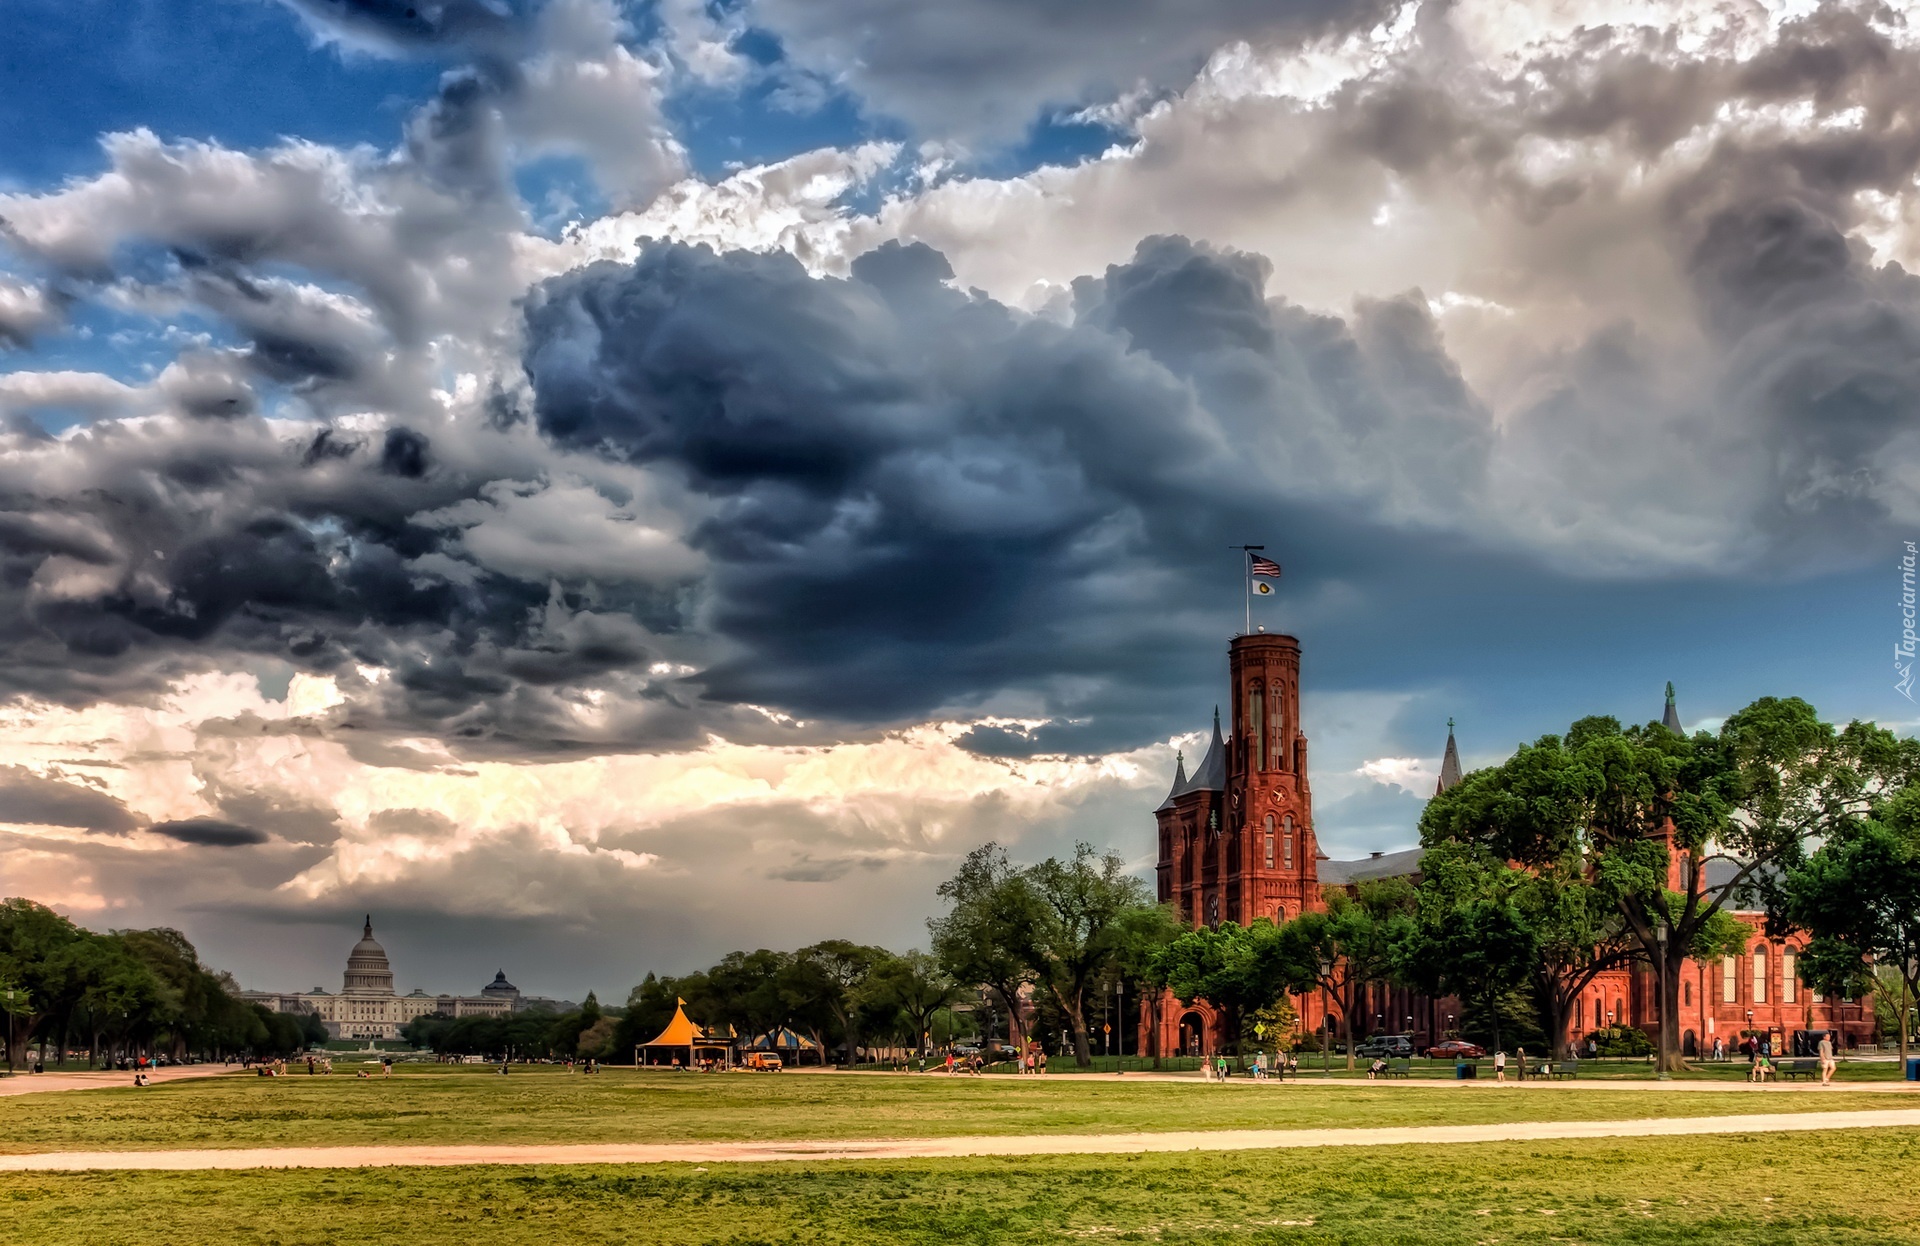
(1639, 814)
(916, 987)
(829, 977)
(1240, 970)
(1356, 940)
(985, 935)
(34, 946)
(1081, 914)
(1469, 936)
(1858, 897)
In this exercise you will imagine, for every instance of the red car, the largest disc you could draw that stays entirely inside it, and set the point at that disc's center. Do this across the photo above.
(1456, 1049)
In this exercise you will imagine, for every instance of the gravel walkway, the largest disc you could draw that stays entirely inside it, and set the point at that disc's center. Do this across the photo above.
(946, 1148)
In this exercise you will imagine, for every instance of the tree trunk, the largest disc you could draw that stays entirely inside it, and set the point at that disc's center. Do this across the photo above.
(1667, 990)
(1555, 1006)
(1076, 1018)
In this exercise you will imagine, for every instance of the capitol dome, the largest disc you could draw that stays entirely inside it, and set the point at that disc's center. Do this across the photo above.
(368, 972)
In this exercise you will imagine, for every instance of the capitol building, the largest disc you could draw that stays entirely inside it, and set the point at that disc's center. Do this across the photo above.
(367, 1007)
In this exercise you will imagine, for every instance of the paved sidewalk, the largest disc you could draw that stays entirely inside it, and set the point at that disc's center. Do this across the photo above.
(945, 1148)
(98, 1079)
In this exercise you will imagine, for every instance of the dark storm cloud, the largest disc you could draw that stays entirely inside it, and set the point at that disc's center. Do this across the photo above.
(921, 499)
(210, 833)
(26, 797)
(404, 26)
(985, 70)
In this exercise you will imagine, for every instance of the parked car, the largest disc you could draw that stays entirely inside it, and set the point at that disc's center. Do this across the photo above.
(1457, 1049)
(963, 1050)
(764, 1062)
(1397, 1046)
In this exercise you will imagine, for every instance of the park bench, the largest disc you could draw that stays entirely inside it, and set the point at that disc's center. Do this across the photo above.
(1563, 1068)
(1796, 1068)
(1398, 1068)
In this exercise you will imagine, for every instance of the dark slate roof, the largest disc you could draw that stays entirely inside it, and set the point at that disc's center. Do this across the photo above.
(1381, 865)
(1671, 719)
(1179, 782)
(1212, 774)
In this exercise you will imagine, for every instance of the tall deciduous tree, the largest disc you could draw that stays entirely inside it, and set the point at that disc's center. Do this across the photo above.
(831, 976)
(1241, 970)
(1858, 896)
(1469, 936)
(1078, 928)
(1357, 939)
(985, 936)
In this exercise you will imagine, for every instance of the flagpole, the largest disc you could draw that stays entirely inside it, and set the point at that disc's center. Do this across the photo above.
(1246, 579)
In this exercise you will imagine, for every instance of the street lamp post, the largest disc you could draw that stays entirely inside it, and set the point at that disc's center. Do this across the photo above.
(1120, 1013)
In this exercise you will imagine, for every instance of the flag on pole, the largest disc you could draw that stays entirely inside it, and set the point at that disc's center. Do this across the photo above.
(1263, 567)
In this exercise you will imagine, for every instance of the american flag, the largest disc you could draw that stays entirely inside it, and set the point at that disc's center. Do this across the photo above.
(1263, 566)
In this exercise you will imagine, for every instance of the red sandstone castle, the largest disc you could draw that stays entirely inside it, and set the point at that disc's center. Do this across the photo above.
(1237, 844)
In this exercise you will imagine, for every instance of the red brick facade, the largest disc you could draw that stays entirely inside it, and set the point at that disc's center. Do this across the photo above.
(1236, 843)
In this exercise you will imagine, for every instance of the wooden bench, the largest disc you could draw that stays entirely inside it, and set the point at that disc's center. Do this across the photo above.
(1796, 1068)
(1398, 1068)
(1563, 1068)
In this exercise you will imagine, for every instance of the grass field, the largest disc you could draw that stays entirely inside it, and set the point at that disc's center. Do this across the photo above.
(1830, 1189)
(452, 1104)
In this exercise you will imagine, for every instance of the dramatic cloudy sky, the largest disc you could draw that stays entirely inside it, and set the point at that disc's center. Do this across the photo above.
(599, 483)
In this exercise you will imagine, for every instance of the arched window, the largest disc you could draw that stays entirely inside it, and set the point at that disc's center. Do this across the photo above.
(1279, 914)
(1256, 726)
(1286, 842)
(1760, 974)
(1686, 989)
(1789, 976)
(1729, 979)
(1277, 715)
(1213, 910)
(1269, 841)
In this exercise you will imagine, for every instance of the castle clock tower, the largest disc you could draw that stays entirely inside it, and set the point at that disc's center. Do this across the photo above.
(1271, 854)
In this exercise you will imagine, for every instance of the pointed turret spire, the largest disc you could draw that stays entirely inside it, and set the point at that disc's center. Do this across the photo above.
(368, 932)
(1212, 774)
(1449, 764)
(1179, 780)
(1671, 718)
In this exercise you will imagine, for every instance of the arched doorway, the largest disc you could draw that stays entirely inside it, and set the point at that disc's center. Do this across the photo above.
(1193, 1034)
(1690, 1044)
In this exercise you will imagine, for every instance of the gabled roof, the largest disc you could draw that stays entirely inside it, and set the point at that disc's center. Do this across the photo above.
(1379, 865)
(1212, 774)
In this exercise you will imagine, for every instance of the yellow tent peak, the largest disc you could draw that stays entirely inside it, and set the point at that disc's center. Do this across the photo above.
(679, 1031)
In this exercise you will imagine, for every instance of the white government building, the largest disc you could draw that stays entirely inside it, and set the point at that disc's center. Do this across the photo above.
(368, 1007)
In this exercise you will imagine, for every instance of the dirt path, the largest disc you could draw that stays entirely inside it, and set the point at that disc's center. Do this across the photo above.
(945, 1148)
(97, 1079)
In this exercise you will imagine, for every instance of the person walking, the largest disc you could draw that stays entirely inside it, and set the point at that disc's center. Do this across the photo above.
(1520, 1057)
(1043, 1062)
(1826, 1058)
(1499, 1066)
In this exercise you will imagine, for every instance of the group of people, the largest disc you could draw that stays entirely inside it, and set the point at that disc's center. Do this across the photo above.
(1521, 1069)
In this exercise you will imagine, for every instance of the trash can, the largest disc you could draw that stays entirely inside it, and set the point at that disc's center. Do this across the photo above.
(1913, 1068)
(1471, 1072)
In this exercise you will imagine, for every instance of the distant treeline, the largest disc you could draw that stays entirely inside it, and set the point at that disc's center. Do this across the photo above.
(126, 993)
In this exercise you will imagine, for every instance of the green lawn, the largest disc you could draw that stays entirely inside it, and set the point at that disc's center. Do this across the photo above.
(441, 1104)
(1821, 1189)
